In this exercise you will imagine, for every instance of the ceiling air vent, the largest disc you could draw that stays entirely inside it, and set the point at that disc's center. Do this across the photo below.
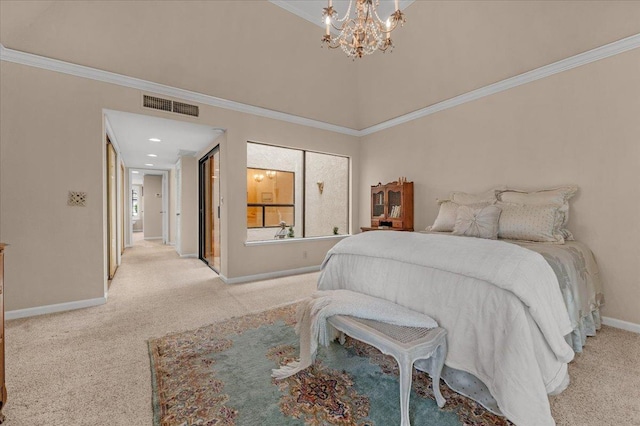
(170, 106)
(157, 103)
(186, 109)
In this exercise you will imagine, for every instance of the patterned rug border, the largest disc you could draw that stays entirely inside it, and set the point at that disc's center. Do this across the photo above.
(154, 384)
(155, 403)
(470, 413)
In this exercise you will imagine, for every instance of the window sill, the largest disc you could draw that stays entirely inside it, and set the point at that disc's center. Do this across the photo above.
(294, 240)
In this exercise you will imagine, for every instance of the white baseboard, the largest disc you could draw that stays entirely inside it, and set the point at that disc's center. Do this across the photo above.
(59, 307)
(624, 325)
(152, 238)
(270, 275)
(190, 255)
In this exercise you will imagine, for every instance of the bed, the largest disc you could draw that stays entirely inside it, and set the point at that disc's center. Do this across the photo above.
(511, 333)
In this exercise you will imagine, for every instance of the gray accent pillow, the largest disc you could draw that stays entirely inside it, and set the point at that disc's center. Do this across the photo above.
(479, 223)
(531, 222)
(556, 196)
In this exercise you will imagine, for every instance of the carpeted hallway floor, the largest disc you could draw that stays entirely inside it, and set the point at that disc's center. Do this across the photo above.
(91, 366)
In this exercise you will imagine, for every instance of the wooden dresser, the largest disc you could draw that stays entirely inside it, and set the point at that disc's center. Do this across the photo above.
(3, 391)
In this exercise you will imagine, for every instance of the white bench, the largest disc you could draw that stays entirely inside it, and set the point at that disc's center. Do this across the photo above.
(406, 345)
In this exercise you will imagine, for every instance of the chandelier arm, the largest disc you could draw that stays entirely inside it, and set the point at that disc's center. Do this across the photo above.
(347, 14)
(365, 32)
(341, 27)
(378, 17)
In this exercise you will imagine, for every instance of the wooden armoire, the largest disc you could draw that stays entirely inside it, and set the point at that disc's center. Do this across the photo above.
(392, 207)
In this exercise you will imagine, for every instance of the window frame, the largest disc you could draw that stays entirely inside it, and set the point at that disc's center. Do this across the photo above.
(304, 192)
(264, 205)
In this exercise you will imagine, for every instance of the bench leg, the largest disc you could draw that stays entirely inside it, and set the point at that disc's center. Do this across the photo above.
(406, 369)
(438, 362)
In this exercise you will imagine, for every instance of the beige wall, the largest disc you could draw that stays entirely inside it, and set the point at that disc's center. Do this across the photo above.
(447, 48)
(152, 206)
(67, 144)
(586, 117)
(247, 51)
(580, 126)
(188, 207)
(245, 259)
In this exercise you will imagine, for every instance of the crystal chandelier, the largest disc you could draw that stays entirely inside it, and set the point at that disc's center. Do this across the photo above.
(364, 33)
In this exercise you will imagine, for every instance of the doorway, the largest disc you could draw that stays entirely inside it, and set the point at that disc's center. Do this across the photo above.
(153, 228)
(112, 249)
(209, 201)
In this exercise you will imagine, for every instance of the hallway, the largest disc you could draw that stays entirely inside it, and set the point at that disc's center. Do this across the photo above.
(91, 366)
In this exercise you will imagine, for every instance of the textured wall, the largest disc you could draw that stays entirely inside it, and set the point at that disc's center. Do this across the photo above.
(247, 51)
(329, 208)
(577, 127)
(69, 242)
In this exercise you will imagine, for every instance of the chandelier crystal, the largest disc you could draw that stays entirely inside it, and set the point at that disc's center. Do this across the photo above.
(363, 33)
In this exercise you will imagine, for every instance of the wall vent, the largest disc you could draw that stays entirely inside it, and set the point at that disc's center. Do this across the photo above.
(186, 109)
(170, 106)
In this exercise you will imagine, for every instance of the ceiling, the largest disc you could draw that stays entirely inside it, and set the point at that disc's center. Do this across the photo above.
(311, 10)
(264, 54)
(177, 138)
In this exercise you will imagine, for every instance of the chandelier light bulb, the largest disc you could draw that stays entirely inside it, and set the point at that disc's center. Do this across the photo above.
(360, 31)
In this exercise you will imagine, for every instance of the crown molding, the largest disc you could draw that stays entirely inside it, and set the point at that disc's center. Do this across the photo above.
(587, 57)
(611, 49)
(29, 59)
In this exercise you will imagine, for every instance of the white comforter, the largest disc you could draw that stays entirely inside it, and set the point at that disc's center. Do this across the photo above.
(500, 303)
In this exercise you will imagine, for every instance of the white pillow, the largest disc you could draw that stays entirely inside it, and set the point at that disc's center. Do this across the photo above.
(484, 197)
(479, 223)
(446, 219)
(557, 196)
(531, 222)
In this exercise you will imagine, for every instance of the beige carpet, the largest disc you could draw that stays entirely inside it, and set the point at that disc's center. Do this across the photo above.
(91, 367)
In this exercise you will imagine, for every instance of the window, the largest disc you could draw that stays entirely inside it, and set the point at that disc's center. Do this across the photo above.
(305, 192)
(270, 198)
(135, 200)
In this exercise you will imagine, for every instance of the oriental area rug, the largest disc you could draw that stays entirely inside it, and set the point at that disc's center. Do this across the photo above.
(220, 374)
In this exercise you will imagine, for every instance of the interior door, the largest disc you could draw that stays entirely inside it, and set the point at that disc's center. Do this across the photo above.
(209, 172)
(215, 197)
(153, 202)
(112, 211)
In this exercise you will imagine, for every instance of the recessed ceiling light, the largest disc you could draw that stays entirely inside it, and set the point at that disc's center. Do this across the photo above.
(151, 155)
(155, 140)
(148, 164)
(135, 171)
